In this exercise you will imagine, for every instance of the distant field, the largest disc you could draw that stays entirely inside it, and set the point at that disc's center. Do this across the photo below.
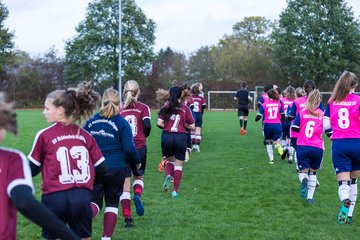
(228, 191)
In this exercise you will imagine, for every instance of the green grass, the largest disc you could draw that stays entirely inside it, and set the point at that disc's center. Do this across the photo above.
(228, 190)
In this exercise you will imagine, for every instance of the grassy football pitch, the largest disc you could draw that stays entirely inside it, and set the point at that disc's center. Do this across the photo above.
(228, 190)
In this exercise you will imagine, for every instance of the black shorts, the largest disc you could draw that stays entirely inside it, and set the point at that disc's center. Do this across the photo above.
(243, 111)
(174, 144)
(73, 207)
(111, 187)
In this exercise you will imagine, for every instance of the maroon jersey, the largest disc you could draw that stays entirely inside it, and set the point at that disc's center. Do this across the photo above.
(68, 155)
(14, 171)
(177, 122)
(134, 115)
(198, 103)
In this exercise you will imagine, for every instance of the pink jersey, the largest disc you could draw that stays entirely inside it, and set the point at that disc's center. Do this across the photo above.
(286, 103)
(344, 117)
(134, 115)
(177, 122)
(67, 155)
(311, 129)
(271, 111)
(14, 171)
(197, 102)
(299, 105)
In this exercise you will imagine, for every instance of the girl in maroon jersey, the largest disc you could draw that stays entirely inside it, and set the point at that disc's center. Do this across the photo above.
(17, 188)
(138, 115)
(174, 117)
(67, 156)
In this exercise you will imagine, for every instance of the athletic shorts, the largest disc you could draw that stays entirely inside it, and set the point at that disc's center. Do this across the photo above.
(346, 155)
(111, 187)
(198, 119)
(72, 207)
(174, 144)
(243, 111)
(142, 151)
(285, 130)
(309, 157)
(272, 131)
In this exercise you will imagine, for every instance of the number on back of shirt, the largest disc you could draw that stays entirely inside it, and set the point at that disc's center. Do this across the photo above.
(68, 175)
(131, 119)
(272, 112)
(343, 121)
(176, 119)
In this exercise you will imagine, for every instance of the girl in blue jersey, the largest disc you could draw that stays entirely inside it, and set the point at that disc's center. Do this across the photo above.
(114, 137)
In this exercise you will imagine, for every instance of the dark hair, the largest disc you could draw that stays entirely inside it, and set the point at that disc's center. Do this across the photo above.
(309, 85)
(243, 85)
(195, 89)
(171, 106)
(268, 87)
(273, 94)
(78, 103)
(7, 116)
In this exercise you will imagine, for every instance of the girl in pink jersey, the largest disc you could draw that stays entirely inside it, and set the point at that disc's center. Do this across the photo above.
(67, 156)
(174, 118)
(17, 188)
(342, 115)
(272, 113)
(310, 145)
(287, 101)
(138, 116)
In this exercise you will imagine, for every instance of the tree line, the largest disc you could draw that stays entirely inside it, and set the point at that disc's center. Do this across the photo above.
(310, 40)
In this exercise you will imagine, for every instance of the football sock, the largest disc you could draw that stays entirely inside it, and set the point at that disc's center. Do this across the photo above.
(198, 139)
(302, 176)
(291, 152)
(169, 169)
(110, 217)
(95, 209)
(344, 190)
(193, 138)
(270, 152)
(177, 177)
(125, 201)
(311, 185)
(241, 123)
(245, 124)
(138, 186)
(353, 195)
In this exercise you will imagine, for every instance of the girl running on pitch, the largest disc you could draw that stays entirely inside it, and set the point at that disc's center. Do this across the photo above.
(67, 155)
(272, 113)
(138, 116)
(174, 117)
(342, 115)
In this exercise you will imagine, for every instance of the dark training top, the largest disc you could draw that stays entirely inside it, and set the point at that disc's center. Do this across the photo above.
(242, 96)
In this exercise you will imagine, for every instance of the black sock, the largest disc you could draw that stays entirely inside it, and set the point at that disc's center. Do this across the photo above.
(245, 124)
(241, 123)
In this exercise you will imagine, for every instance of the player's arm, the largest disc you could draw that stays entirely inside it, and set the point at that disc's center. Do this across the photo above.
(23, 199)
(160, 123)
(129, 146)
(292, 113)
(296, 124)
(35, 169)
(147, 126)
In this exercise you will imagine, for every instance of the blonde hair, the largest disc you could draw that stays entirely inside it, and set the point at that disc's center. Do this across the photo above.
(162, 95)
(7, 116)
(110, 103)
(78, 103)
(313, 102)
(131, 92)
(343, 86)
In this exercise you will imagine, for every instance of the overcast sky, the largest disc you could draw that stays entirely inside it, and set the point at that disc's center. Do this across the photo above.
(184, 25)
